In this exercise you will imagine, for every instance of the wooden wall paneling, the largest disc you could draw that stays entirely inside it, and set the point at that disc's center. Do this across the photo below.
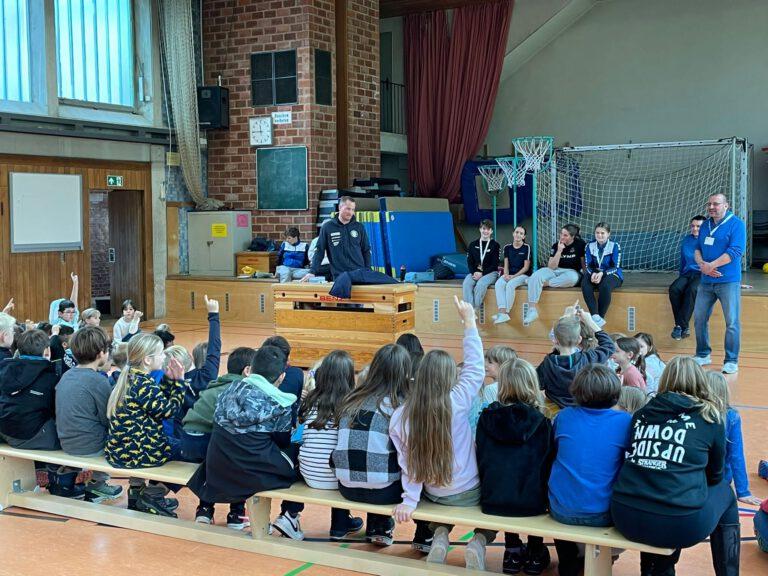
(172, 238)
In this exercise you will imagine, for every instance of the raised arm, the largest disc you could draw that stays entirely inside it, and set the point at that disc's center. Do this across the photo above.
(75, 287)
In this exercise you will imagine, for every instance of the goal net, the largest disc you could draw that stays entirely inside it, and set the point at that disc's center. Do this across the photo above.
(647, 193)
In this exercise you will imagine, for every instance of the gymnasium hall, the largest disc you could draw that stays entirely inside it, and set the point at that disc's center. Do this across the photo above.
(485, 279)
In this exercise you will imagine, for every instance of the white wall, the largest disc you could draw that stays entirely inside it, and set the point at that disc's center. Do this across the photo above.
(650, 70)
(528, 16)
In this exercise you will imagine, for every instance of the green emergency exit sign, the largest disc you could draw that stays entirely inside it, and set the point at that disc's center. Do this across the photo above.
(114, 181)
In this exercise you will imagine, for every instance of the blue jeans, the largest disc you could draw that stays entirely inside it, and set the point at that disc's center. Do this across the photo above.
(729, 294)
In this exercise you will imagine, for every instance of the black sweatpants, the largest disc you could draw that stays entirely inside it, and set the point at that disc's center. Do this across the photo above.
(682, 297)
(608, 284)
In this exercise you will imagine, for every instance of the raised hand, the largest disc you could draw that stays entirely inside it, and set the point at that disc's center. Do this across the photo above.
(74, 277)
(466, 311)
(9, 306)
(211, 305)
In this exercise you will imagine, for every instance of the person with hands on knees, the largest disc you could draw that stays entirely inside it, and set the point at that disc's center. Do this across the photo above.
(483, 264)
(602, 272)
(517, 266)
(434, 443)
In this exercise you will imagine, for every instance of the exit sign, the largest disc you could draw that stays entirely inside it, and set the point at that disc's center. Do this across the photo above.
(114, 181)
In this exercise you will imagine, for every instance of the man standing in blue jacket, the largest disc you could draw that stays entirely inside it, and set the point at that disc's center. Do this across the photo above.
(722, 241)
(682, 292)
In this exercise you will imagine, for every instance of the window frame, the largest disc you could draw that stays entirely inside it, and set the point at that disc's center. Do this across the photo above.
(274, 78)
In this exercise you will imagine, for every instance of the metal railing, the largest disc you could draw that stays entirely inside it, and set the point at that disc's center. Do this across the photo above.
(393, 119)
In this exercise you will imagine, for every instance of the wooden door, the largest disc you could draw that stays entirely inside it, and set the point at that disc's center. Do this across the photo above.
(126, 241)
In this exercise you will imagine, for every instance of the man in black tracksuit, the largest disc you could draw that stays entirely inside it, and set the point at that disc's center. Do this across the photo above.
(344, 240)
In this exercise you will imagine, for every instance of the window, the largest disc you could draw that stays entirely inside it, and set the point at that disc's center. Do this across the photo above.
(323, 80)
(273, 78)
(95, 51)
(15, 83)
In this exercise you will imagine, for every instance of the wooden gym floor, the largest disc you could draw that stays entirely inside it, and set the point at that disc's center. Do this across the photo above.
(37, 544)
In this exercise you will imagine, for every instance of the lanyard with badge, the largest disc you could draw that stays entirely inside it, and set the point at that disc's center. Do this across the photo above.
(483, 252)
(710, 240)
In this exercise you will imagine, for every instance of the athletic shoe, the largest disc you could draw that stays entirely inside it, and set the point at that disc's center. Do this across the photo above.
(730, 368)
(514, 560)
(535, 564)
(495, 316)
(474, 555)
(100, 491)
(440, 544)
(501, 318)
(531, 316)
(381, 536)
(677, 333)
(237, 520)
(204, 514)
(157, 505)
(61, 482)
(353, 524)
(686, 333)
(289, 526)
(762, 469)
(703, 360)
(599, 320)
(422, 539)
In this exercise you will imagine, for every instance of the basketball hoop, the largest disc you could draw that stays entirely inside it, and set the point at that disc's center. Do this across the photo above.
(494, 178)
(513, 169)
(534, 149)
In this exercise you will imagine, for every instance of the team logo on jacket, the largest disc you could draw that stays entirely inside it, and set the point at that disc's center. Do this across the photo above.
(353, 233)
(335, 238)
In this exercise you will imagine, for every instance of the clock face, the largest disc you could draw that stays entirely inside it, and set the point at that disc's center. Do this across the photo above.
(260, 130)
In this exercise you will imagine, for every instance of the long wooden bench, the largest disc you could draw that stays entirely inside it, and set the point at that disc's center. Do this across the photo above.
(17, 488)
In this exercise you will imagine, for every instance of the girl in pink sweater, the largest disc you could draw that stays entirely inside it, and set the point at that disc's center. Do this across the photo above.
(631, 366)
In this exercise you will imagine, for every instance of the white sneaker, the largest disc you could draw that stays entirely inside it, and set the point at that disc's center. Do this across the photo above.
(474, 555)
(494, 317)
(730, 368)
(288, 526)
(440, 544)
(703, 360)
(532, 316)
(501, 318)
(599, 320)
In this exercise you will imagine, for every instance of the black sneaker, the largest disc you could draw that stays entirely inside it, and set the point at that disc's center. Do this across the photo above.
(422, 539)
(157, 505)
(537, 562)
(514, 560)
(237, 520)
(353, 524)
(686, 333)
(62, 483)
(381, 536)
(204, 514)
(677, 333)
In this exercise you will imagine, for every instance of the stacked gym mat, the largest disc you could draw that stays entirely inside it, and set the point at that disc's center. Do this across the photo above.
(371, 221)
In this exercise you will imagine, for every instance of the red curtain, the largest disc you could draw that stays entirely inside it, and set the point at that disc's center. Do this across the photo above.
(452, 77)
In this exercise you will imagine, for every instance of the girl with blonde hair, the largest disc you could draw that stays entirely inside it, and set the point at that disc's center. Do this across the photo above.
(672, 491)
(433, 438)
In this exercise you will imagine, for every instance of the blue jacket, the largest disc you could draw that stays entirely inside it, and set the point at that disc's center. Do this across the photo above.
(730, 237)
(735, 465)
(610, 264)
(687, 261)
(293, 255)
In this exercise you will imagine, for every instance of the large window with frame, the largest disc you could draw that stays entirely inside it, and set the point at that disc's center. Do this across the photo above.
(15, 81)
(273, 78)
(95, 52)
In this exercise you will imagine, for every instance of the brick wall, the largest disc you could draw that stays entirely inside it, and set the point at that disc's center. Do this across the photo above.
(99, 240)
(231, 33)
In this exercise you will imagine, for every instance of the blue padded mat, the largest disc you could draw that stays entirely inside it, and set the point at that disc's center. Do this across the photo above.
(371, 221)
(473, 213)
(412, 239)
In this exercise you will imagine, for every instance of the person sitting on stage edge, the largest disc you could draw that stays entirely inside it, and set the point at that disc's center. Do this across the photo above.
(563, 269)
(292, 257)
(483, 264)
(344, 240)
(682, 292)
(602, 271)
(517, 266)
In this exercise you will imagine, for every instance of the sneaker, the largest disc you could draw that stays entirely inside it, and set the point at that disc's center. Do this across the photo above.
(730, 368)
(514, 560)
(501, 318)
(101, 491)
(474, 555)
(62, 483)
(133, 496)
(289, 526)
(422, 539)
(686, 333)
(536, 563)
(599, 320)
(495, 316)
(353, 524)
(204, 514)
(677, 333)
(703, 360)
(762, 469)
(531, 316)
(381, 536)
(157, 505)
(440, 544)
(237, 520)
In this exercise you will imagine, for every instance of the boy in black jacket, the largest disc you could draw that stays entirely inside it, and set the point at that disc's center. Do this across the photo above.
(557, 370)
(28, 394)
(483, 264)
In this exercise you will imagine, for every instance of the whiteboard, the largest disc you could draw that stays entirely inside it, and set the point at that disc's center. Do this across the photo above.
(46, 212)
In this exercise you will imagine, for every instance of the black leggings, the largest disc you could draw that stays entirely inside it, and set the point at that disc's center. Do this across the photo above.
(607, 285)
(666, 531)
(682, 297)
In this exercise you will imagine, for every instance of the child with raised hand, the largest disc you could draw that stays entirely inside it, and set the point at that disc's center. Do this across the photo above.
(515, 450)
(735, 466)
(558, 369)
(630, 363)
(631, 399)
(654, 365)
(136, 410)
(7, 324)
(319, 413)
(63, 311)
(365, 459)
(483, 264)
(434, 443)
(590, 442)
(130, 319)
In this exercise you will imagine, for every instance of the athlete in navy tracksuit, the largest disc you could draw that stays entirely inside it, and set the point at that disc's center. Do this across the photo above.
(603, 272)
(682, 292)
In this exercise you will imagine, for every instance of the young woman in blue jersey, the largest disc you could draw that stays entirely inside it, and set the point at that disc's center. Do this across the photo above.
(602, 272)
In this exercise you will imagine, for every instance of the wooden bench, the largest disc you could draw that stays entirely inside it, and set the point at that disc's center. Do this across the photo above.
(17, 488)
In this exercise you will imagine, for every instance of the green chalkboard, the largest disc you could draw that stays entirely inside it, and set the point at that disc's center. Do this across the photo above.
(282, 178)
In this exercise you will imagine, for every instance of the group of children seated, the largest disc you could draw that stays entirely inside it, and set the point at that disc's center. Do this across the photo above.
(409, 427)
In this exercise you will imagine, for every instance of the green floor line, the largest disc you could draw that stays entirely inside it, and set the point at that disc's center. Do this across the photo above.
(299, 569)
(467, 536)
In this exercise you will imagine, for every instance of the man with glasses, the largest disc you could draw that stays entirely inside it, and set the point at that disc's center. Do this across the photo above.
(722, 241)
(682, 292)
